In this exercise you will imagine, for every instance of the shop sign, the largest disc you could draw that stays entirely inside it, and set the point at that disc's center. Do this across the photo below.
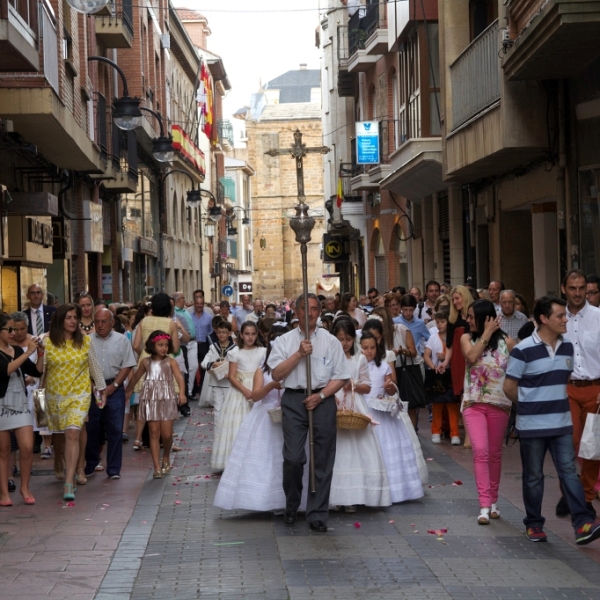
(333, 250)
(367, 142)
(40, 233)
(147, 246)
(245, 287)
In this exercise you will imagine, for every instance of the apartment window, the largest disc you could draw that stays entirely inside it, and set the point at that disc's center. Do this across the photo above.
(482, 13)
(395, 109)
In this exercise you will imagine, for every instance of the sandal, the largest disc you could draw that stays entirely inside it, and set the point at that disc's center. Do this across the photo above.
(166, 468)
(484, 516)
(157, 475)
(80, 476)
(137, 445)
(494, 512)
(68, 491)
(176, 448)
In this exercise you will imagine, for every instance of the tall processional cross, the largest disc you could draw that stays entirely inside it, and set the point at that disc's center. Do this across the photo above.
(302, 224)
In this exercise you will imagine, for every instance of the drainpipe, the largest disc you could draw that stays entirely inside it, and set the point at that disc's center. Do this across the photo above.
(561, 190)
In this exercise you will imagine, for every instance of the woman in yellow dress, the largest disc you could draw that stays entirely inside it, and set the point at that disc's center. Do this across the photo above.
(68, 363)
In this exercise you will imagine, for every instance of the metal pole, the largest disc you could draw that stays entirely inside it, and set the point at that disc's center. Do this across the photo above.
(302, 225)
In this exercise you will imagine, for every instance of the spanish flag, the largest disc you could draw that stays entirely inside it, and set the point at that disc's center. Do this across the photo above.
(340, 193)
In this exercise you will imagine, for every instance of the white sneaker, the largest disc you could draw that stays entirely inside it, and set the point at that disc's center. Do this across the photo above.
(455, 440)
(436, 438)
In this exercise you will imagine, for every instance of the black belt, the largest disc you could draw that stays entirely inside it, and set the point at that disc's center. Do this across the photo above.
(584, 382)
(303, 390)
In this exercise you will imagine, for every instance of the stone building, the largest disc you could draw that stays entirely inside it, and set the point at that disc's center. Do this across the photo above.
(286, 103)
(277, 262)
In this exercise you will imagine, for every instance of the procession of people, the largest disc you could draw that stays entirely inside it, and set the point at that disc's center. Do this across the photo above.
(316, 400)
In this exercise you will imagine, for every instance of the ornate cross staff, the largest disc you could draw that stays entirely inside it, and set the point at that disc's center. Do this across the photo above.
(302, 224)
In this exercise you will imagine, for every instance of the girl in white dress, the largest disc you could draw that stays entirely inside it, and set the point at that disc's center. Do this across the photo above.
(359, 474)
(394, 439)
(253, 477)
(243, 362)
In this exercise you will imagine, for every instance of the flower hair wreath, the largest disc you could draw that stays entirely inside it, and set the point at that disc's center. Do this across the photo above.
(162, 336)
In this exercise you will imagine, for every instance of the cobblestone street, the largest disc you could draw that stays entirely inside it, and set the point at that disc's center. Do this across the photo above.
(141, 538)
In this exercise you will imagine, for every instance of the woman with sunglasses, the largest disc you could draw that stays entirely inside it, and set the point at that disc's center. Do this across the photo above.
(14, 407)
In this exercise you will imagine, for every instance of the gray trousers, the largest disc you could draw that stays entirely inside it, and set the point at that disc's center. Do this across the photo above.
(295, 432)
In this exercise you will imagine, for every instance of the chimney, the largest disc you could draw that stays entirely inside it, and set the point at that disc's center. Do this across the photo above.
(303, 66)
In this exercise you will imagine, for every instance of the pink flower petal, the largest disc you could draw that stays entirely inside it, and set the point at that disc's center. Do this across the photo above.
(177, 501)
(391, 522)
(357, 525)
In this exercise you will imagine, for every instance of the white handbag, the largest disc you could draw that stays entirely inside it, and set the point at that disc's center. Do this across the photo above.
(589, 447)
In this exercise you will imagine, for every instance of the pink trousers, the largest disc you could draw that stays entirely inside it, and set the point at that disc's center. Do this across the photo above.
(486, 425)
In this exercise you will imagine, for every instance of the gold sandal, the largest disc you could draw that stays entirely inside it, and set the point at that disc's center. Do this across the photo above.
(166, 469)
(157, 475)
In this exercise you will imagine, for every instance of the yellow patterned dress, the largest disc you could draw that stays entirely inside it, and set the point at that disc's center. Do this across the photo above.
(67, 373)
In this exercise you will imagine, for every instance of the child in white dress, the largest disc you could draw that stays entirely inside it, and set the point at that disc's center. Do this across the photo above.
(243, 362)
(253, 477)
(359, 474)
(394, 439)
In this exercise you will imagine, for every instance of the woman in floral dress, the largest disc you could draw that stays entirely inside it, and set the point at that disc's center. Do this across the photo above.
(485, 407)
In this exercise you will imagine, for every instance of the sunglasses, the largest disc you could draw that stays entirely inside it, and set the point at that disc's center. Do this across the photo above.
(9, 329)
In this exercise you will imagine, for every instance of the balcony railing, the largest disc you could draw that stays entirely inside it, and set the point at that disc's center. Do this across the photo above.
(101, 136)
(362, 24)
(226, 131)
(25, 10)
(476, 76)
(50, 42)
(343, 53)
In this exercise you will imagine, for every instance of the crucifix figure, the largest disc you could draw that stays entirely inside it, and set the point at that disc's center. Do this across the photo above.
(302, 224)
(298, 151)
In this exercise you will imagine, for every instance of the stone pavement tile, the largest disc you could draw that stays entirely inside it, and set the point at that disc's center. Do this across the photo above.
(456, 525)
(328, 547)
(408, 592)
(511, 593)
(495, 572)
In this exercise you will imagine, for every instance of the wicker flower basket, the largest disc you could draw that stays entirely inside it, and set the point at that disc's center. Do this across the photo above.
(348, 418)
(275, 414)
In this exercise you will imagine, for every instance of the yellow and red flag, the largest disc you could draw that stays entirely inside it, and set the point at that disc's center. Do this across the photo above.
(340, 193)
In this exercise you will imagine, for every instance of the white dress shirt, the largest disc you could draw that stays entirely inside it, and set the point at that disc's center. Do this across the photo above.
(327, 359)
(583, 329)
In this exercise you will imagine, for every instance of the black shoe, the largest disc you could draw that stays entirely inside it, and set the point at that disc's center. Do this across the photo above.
(562, 508)
(184, 410)
(318, 526)
(37, 449)
(290, 517)
(11, 486)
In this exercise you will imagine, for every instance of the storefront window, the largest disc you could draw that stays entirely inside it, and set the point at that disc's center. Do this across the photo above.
(589, 183)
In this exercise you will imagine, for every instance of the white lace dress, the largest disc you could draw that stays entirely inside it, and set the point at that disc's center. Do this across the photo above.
(395, 442)
(359, 474)
(235, 407)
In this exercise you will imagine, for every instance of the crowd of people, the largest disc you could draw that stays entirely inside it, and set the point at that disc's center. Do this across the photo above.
(473, 360)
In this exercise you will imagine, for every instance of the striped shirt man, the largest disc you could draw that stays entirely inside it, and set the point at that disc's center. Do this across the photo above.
(542, 373)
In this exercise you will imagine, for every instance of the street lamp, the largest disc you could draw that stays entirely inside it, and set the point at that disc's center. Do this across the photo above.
(126, 110)
(245, 219)
(162, 147)
(87, 7)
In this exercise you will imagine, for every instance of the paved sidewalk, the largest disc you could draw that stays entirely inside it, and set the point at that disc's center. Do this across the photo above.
(139, 538)
(197, 551)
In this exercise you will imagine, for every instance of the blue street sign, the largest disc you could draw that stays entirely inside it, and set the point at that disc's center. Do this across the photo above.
(367, 142)
(227, 291)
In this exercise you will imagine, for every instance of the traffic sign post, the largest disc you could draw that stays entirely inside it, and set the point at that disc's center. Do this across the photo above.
(227, 290)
